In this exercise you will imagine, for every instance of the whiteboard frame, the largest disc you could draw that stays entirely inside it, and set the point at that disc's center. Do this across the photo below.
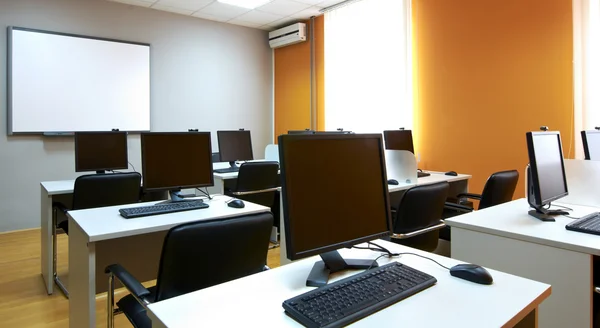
(9, 105)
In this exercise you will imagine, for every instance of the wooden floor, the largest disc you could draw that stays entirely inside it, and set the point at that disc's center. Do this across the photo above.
(23, 298)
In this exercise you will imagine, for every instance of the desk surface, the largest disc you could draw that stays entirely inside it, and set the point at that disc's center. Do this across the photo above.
(512, 221)
(106, 222)
(433, 178)
(453, 302)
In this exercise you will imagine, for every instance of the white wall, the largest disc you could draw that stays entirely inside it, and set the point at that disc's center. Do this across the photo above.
(204, 75)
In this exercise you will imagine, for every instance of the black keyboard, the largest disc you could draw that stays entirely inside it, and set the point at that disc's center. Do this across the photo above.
(136, 212)
(353, 298)
(227, 170)
(422, 174)
(587, 224)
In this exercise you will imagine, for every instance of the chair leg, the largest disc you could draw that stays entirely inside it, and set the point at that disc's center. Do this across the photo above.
(57, 280)
(274, 238)
(110, 304)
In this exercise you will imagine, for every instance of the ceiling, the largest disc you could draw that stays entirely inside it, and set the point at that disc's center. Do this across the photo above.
(272, 15)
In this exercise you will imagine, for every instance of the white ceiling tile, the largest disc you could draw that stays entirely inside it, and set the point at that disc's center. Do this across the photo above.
(172, 9)
(307, 13)
(202, 15)
(222, 10)
(192, 5)
(258, 17)
(310, 2)
(141, 3)
(328, 3)
(283, 7)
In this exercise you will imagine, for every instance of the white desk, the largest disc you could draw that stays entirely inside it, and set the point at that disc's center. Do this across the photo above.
(99, 237)
(256, 300)
(49, 190)
(506, 238)
(458, 184)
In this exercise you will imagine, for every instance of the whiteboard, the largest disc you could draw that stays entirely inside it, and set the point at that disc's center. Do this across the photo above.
(66, 83)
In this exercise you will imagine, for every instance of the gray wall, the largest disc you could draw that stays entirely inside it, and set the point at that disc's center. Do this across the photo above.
(204, 75)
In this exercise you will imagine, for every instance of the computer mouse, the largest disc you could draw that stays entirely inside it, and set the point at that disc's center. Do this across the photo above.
(473, 273)
(393, 182)
(452, 173)
(236, 203)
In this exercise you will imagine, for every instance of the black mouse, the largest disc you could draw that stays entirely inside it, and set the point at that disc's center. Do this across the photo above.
(393, 182)
(236, 203)
(452, 173)
(473, 273)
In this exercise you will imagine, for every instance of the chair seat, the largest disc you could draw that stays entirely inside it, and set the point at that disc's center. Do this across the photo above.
(134, 311)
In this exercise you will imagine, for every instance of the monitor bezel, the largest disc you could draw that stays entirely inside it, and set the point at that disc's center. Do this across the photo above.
(77, 144)
(212, 178)
(586, 149)
(290, 251)
(387, 132)
(533, 167)
(237, 159)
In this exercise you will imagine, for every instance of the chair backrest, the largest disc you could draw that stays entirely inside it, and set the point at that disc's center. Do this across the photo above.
(201, 254)
(499, 188)
(98, 190)
(258, 176)
(421, 207)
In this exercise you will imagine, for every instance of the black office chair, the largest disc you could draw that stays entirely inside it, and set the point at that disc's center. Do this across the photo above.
(499, 188)
(418, 219)
(94, 190)
(194, 256)
(257, 182)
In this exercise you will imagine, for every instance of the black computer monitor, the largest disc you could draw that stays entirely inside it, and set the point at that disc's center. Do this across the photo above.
(399, 140)
(235, 146)
(591, 144)
(328, 206)
(100, 151)
(547, 181)
(176, 160)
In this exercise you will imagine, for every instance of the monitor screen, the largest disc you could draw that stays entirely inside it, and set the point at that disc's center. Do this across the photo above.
(334, 191)
(399, 140)
(591, 144)
(176, 160)
(547, 166)
(235, 145)
(99, 151)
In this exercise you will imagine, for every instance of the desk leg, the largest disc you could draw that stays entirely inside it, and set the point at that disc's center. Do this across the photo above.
(82, 279)
(568, 272)
(220, 183)
(46, 240)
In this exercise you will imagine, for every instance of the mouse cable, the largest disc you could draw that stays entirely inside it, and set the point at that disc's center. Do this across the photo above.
(555, 205)
(390, 254)
(206, 193)
(133, 167)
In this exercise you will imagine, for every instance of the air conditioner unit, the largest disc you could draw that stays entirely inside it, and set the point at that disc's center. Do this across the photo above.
(288, 35)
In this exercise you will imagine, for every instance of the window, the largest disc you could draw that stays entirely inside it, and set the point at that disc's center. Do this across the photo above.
(368, 70)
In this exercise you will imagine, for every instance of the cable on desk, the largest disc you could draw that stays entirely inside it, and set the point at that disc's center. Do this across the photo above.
(566, 208)
(133, 167)
(390, 254)
(206, 193)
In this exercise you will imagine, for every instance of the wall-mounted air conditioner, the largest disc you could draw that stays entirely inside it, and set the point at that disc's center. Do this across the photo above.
(288, 35)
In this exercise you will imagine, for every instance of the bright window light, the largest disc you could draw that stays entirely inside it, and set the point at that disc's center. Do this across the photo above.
(249, 4)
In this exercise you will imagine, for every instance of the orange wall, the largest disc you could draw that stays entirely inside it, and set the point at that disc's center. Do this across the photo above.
(292, 83)
(486, 72)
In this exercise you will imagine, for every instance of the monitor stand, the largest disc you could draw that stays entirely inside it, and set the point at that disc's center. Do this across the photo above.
(100, 172)
(334, 262)
(545, 215)
(177, 197)
(233, 165)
